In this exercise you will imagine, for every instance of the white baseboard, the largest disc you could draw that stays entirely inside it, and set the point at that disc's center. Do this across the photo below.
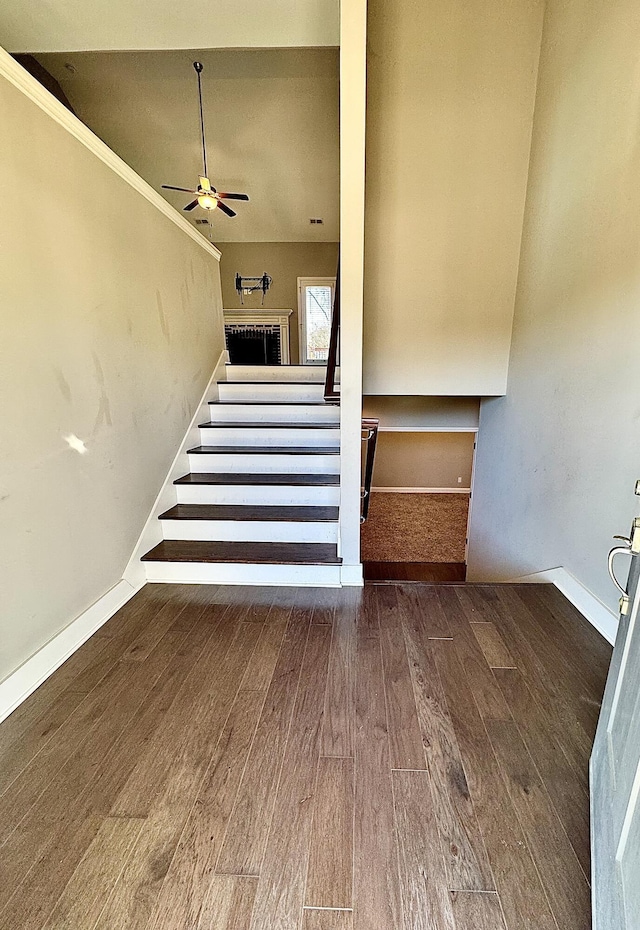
(421, 490)
(352, 575)
(20, 684)
(590, 606)
(151, 534)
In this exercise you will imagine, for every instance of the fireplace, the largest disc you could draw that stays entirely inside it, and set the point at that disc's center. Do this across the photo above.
(253, 345)
(257, 337)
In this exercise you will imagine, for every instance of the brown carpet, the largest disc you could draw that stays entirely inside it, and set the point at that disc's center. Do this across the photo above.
(415, 528)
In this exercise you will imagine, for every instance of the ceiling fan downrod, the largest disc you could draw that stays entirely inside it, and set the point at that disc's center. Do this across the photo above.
(198, 66)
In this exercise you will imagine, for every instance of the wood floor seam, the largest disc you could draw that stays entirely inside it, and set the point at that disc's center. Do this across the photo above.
(196, 794)
(313, 821)
(82, 800)
(406, 756)
(87, 736)
(70, 690)
(284, 746)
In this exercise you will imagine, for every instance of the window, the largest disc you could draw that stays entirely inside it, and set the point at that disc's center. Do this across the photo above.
(315, 303)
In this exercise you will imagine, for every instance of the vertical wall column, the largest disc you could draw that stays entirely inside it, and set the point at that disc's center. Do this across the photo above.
(353, 39)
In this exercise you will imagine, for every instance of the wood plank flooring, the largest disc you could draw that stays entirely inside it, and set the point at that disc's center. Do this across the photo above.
(403, 757)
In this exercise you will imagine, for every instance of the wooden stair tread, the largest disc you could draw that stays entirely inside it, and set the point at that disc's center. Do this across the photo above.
(272, 553)
(277, 383)
(267, 424)
(267, 479)
(252, 512)
(278, 366)
(264, 450)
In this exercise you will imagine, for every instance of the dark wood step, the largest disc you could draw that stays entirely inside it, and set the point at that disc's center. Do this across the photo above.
(270, 553)
(431, 572)
(269, 480)
(264, 450)
(252, 512)
(278, 367)
(267, 424)
(276, 383)
(269, 403)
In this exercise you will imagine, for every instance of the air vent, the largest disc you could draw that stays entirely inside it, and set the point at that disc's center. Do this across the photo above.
(316, 221)
(202, 222)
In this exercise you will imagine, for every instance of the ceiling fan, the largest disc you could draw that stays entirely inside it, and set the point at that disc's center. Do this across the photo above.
(207, 196)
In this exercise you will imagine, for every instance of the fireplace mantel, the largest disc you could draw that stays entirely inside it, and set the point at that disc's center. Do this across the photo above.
(262, 316)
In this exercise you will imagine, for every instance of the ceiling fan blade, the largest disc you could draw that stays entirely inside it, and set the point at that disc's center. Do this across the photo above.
(186, 190)
(233, 196)
(191, 206)
(226, 209)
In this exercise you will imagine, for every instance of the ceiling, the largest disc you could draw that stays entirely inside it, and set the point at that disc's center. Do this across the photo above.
(78, 25)
(271, 121)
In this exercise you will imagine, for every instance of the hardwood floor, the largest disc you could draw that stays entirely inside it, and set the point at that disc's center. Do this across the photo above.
(407, 757)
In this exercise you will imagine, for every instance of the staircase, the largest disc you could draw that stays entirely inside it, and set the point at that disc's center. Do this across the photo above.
(260, 503)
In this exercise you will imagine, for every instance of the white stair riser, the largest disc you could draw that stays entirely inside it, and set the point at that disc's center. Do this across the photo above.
(252, 573)
(250, 531)
(280, 464)
(273, 413)
(316, 373)
(270, 391)
(258, 494)
(276, 436)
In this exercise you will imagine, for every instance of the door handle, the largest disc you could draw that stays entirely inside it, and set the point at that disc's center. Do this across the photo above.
(617, 550)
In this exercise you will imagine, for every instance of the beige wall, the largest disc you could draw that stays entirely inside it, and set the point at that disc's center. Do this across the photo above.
(271, 118)
(423, 460)
(450, 101)
(168, 25)
(111, 327)
(558, 457)
(285, 262)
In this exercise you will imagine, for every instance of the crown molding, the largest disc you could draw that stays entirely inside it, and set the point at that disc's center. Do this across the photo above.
(31, 88)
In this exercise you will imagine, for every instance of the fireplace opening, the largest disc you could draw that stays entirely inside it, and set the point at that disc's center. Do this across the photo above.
(253, 345)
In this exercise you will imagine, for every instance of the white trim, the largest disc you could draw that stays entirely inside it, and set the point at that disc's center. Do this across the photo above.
(31, 88)
(590, 606)
(352, 576)
(20, 684)
(428, 429)
(353, 81)
(151, 533)
(422, 490)
(259, 315)
(471, 486)
(304, 282)
(263, 317)
(245, 573)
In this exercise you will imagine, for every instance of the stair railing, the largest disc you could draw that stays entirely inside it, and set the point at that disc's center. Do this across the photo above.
(331, 395)
(370, 438)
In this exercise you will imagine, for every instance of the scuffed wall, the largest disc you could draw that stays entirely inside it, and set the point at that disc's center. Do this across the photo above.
(111, 328)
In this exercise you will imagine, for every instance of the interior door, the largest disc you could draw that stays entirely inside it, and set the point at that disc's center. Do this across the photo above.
(315, 303)
(615, 762)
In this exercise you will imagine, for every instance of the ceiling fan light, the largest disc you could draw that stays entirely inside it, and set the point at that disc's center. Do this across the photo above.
(207, 202)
